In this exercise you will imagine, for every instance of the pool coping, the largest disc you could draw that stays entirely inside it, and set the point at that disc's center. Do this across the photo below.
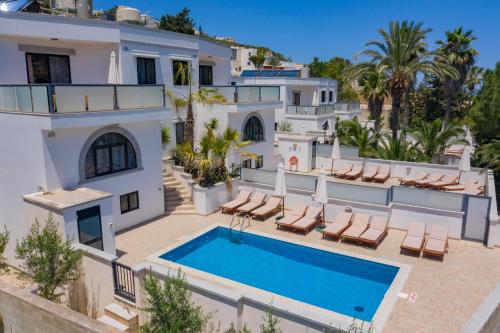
(235, 291)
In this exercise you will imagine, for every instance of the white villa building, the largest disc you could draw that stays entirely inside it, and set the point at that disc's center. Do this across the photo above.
(309, 105)
(240, 59)
(88, 151)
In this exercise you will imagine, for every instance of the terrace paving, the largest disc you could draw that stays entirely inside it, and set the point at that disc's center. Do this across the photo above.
(448, 292)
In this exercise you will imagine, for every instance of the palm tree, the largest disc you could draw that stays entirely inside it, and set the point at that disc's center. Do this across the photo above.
(457, 52)
(400, 149)
(274, 61)
(374, 89)
(400, 56)
(433, 138)
(474, 78)
(351, 133)
(203, 96)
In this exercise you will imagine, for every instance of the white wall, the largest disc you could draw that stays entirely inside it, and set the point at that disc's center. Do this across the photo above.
(229, 117)
(89, 65)
(62, 159)
(21, 171)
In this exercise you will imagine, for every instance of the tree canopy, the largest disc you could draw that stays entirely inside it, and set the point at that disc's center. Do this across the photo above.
(334, 69)
(486, 107)
(181, 22)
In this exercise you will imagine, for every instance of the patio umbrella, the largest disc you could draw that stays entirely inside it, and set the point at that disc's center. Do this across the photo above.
(321, 194)
(113, 74)
(464, 164)
(280, 184)
(335, 151)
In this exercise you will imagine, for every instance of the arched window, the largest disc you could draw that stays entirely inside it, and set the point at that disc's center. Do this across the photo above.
(111, 152)
(253, 130)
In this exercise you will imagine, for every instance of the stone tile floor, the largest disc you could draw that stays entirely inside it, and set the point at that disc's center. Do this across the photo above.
(448, 292)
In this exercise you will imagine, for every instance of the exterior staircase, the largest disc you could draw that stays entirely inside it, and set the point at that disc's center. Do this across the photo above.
(121, 318)
(177, 198)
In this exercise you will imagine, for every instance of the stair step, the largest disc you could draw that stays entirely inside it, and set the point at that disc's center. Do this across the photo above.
(181, 212)
(172, 183)
(114, 323)
(185, 207)
(121, 314)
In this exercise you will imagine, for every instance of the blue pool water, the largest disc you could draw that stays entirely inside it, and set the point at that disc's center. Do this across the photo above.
(343, 284)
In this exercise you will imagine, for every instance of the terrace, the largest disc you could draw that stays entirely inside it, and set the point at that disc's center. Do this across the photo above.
(77, 98)
(447, 293)
(315, 110)
(247, 94)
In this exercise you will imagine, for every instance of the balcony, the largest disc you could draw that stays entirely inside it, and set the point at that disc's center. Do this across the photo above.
(76, 98)
(315, 110)
(247, 94)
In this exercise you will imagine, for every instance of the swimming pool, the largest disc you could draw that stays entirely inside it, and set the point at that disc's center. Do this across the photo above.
(351, 286)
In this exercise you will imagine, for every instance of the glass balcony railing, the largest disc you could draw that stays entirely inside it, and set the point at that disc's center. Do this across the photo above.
(247, 94)
(315, 110)
(79, 98)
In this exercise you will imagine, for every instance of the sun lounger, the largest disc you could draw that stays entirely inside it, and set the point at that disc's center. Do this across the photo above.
(256, 201)
(445, 181)
(473, 190)
(437, 242)
(272, 206)
(337, 227)
(377, 230)
(341, 173)
(241, 199)
(369, 173)
(293, 216)
(409, 181)
(384, 172)
(414, 239)
(358, 226)
(354, 173)
(455, 149)
(431, 179)
(309, 221)
(462, 186)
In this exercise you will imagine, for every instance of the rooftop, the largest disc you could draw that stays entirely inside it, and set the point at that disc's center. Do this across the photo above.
(62, 199)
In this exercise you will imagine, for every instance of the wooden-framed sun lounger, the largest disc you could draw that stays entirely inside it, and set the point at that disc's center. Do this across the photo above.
(431, 179)
(341, 173)
(292, 216)
(354, 173)
(409, 181)
(256, 201)
(376, 232)
(337, 227)
(384, 172)
(437, 241)
(359, 225)
(445, 181)
(462, 186)
(272, 206)
(414, 239)
(242, 198)
(309, 221)
(369, 173)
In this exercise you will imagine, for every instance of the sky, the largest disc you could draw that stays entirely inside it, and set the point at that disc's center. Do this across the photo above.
(303, 29)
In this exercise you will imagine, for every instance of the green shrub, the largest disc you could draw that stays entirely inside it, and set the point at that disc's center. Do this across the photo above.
(270, 324)
(4, 240)
(48, 259)
(170, 308)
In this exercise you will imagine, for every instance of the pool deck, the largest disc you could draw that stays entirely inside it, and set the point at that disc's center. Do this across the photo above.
(448, 292)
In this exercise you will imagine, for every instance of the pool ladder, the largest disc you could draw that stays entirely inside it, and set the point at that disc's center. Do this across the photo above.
(235, 222)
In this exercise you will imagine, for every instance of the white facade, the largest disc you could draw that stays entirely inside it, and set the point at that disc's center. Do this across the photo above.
(306, 103)
(240, 59)
(46, 131)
